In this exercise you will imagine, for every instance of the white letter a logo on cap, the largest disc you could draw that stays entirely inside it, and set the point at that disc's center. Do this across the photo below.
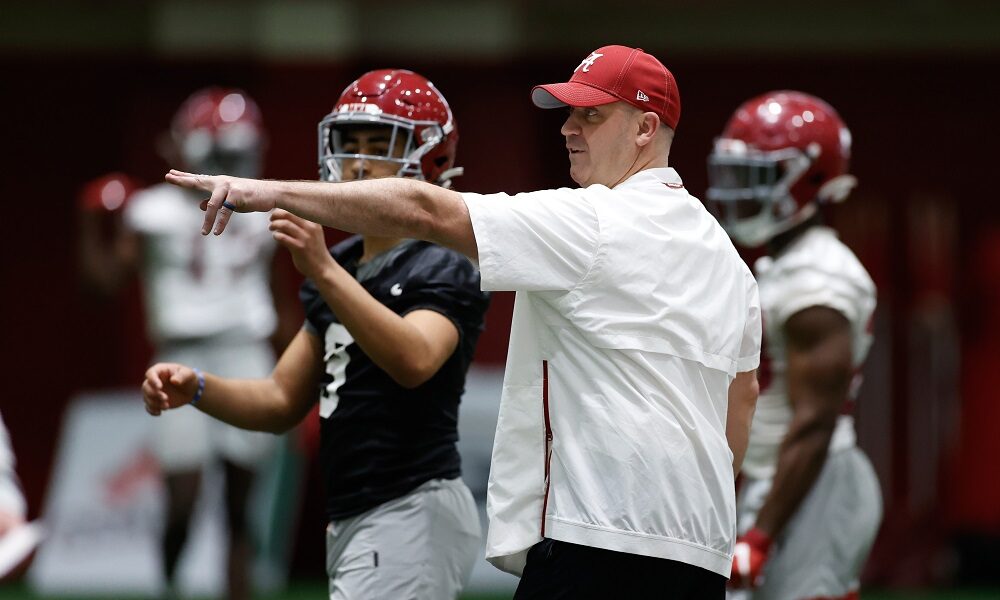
(640, 96)
(588, 62)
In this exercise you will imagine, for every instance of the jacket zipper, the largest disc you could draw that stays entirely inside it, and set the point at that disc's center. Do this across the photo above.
(548, 438)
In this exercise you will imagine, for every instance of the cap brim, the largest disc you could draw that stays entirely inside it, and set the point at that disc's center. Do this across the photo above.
(571, 93)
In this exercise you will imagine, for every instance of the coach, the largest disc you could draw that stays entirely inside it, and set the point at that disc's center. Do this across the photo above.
(630, 378)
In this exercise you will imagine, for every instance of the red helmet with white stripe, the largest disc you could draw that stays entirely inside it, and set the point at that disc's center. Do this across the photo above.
(780, 155)
(219, 131)
(413, 111)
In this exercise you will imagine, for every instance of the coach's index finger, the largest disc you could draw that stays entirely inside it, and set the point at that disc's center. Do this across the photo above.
(205, 183)
(188, 180)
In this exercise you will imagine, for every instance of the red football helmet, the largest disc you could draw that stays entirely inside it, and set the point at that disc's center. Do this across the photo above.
(407, 104)
(109, 192)
(219, 131)
(779, 156)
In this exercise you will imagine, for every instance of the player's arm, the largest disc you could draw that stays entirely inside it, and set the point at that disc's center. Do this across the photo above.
(409, 349)
(392, 207)
(819, 372)
(274, 404)
(105, 265)
(743, 392)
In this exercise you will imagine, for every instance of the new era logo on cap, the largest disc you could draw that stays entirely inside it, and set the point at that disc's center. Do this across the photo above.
(614, 73)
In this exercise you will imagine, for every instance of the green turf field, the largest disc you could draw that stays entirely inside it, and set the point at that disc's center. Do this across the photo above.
(317, 591)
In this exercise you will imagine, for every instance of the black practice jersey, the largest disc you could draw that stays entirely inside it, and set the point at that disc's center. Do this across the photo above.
(378, 439)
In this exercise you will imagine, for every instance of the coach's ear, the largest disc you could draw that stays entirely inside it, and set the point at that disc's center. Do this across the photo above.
(649, 124)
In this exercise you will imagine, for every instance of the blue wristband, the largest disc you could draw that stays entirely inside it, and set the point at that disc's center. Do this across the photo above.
(201, 387)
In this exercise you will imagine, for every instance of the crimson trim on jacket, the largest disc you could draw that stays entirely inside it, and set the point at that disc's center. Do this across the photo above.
(548, 438)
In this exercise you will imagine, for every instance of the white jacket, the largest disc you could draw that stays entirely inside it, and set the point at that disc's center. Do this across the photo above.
(633, 314)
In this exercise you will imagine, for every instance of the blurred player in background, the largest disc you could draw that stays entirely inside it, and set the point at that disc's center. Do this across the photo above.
(210, 305)
(391, 328)
(810, 505)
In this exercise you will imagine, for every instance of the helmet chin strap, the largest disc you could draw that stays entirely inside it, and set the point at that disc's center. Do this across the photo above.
(834, 190)
(807, 212)
(445, 179)
(837, 189)
(762, 229)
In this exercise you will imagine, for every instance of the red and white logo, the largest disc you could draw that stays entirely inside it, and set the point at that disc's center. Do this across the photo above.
(640, 96)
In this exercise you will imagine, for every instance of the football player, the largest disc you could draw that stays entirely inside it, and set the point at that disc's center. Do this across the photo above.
(208, 306)
(809, 505)
(391, 328)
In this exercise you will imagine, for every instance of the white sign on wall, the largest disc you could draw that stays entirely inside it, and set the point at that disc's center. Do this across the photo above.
(105, 506)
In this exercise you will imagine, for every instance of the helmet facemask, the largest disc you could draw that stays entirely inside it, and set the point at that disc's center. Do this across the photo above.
(235, 149)
(750, 190)
(218, 131)
(407, 142)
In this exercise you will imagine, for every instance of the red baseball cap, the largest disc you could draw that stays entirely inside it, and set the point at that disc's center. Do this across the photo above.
(614, 73)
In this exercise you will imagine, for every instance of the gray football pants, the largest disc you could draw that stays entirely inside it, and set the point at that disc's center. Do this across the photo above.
(420, 546)
(825, 544)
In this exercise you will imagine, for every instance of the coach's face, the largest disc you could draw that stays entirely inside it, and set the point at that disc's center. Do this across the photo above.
(601, 143)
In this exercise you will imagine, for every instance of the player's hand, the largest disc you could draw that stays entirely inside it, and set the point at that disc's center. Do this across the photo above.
(243, 195)
(167, 386)
(749, 559)
(304, 239)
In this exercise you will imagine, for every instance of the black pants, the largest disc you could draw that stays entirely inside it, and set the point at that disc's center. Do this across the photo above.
(557, 570)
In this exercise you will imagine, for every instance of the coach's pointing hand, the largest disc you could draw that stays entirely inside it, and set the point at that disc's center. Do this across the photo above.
(228, 195)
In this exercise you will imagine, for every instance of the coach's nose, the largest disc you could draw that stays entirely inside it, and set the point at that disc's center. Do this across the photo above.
(570, 126)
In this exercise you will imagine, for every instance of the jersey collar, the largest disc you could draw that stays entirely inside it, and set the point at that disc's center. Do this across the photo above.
(663, 175)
